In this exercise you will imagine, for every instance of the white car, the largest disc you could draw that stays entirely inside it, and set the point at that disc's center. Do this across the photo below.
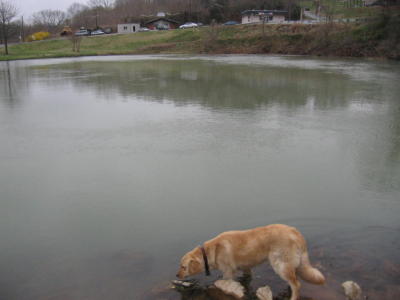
(188, 25)
(82, 32)
(98, 32)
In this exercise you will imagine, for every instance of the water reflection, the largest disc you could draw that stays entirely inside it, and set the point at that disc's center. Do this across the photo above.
(210, 84)
(248, 87)
(8, 82)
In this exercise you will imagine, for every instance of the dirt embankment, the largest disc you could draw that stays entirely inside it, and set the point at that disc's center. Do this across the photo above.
(380, 38)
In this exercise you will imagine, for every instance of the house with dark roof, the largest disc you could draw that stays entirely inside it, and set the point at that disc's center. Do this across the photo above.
(161, 23)
(257, 16)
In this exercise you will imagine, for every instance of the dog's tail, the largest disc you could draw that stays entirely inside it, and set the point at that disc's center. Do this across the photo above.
(308, 273)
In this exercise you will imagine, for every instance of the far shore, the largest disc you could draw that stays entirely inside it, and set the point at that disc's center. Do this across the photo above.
(379, 39)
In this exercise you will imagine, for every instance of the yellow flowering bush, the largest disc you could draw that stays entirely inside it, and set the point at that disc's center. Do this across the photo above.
(38, 36)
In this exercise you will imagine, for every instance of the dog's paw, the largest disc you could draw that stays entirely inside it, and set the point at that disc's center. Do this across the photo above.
(230, 287)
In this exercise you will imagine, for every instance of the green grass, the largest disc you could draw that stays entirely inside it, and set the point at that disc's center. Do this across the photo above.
(343, 12)
(102, 45)
(357, 12)
(172, 41)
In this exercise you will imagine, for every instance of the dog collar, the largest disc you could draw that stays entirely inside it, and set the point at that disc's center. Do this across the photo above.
(207, 267)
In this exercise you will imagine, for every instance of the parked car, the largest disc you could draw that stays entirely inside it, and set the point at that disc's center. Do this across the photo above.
(142, 29)
(82, 32)
(231, 23)
(188, 25)
(97, 32)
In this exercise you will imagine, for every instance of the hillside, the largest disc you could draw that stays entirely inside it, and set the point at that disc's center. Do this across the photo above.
(380, 38)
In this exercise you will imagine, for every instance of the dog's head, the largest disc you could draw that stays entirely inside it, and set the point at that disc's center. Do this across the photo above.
(190, 264)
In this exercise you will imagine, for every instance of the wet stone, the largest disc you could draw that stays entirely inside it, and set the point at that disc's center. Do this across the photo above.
(352, 290)
(184, 285)
(231, 287)
(264, 293)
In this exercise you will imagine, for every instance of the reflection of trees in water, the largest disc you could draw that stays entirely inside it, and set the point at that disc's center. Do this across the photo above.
(13, 80)
(210, 84)
(9, 88)
(222, 86)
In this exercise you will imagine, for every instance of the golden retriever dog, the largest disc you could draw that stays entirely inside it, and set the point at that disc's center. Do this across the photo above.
(233, 251)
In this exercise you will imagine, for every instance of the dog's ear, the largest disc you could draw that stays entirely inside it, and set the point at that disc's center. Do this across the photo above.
(194, 266)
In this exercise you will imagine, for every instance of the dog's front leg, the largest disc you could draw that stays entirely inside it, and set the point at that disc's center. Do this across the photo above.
(228, 274)
(247, 272)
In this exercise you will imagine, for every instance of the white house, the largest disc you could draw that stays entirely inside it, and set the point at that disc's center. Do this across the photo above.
(257, 16)
(128, 28)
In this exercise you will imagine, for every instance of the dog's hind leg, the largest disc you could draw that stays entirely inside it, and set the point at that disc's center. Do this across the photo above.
(287, 273)
(290, 276)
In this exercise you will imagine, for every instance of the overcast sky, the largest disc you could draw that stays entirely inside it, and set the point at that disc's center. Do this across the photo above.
(28, 7)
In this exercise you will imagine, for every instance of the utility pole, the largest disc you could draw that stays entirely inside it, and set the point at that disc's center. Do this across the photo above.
(22, 34)
(262, 16)
(190, 9)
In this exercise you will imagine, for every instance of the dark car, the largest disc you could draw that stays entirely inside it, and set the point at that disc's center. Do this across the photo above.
(231, 23)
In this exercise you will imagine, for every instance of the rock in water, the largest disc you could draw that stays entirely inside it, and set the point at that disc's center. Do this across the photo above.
(264, 293)
(352, 290)
(182, 285)
(231, 287)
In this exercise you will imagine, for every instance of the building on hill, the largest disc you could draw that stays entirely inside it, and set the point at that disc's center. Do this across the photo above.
(128, 28)
(271, 16)
(161, 23)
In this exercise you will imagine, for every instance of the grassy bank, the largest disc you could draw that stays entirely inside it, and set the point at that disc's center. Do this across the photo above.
(380, 38)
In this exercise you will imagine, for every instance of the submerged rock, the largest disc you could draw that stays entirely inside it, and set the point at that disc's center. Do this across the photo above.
(264, 293)
(231, 287)
(184, 285)
(181, 283)
(352, 290)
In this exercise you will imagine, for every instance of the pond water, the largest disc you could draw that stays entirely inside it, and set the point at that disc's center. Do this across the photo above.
(111, 168)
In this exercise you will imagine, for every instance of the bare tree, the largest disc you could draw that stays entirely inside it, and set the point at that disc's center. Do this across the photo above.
(330, 9)
(101, 3)
(7, 12)
(75, 8)
(76, 43)
(50, 19)
(78, 14)
(211, 36)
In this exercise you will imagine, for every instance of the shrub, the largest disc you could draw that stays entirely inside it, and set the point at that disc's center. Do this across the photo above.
(39, 36)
